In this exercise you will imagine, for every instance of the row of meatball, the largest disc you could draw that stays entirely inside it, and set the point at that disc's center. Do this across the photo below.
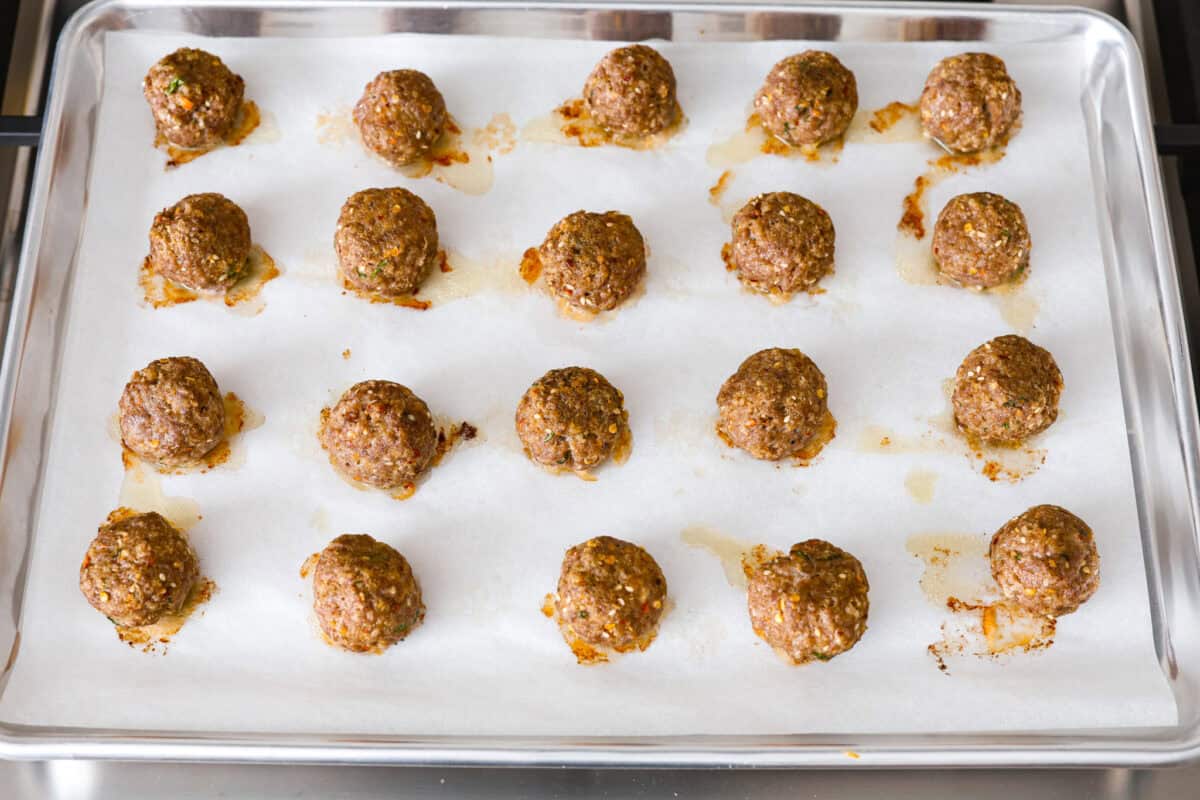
(387, 244)
(782, 243)
(969, 102)
(775, 406)
(808, 604)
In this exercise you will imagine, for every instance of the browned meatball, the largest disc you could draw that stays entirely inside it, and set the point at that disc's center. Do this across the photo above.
(194, 97)
(365, 594)
(386, 241)
(610, 594)
(1045, 561)
(782, 243)
(401, 115)
(379, 433)
(202, 242)
(632, 91)
(593, 261)
(171, 412)
(981, 240)
(1006, 390)
(810, 604)
(807, 99)
(571, 417)
(775, 405)
(969, 102)
(137, 569)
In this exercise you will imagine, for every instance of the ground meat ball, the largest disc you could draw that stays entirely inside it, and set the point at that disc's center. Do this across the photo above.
(401, 115)
(775, 405)
(202, 242)
(810, 604)
(981, 240)
(610, 594)
(1006, 390)
(1045, 561)
(571, 417)
(365, 594)
(969, 102)
(194, 97)
(782, 243)
(593, 261)
(386, 241)
(138, 569)
(171, 412)
(380, 434)
(632, 91)
(807, 99)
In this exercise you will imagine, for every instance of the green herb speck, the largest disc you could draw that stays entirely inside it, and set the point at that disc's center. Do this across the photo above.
(237, 272)
(174, 85)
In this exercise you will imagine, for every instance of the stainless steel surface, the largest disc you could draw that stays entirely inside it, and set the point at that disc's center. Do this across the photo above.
(73, 780)
(1153, 352)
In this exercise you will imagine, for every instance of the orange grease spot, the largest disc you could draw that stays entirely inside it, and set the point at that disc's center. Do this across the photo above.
(884, 118)
(531, 265)
(717, 189)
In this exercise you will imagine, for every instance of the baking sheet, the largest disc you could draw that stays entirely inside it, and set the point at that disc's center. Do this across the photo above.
(487, 531)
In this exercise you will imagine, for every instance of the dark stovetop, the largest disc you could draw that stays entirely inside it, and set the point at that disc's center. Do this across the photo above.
(1179, 48)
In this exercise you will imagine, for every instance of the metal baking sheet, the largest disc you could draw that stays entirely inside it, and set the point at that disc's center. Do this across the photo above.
(1085, 33)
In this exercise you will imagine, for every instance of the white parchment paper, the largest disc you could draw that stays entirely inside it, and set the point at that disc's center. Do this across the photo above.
(487, 531)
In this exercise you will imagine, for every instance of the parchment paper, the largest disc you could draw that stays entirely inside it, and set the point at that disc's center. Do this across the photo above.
(487, 531)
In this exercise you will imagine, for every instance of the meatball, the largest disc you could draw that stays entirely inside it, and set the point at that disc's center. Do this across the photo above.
(775, 405)
(969, 103)
(194, 97)
(379, 433)
(571, 417)
(1045, 561)
(202, 242)
(171, 412)
(610, 594)
(782, 243)
(1006, 391)
(401, 115)
(365, 595)
(807, 99)
(138, 569)
(632, 91)
(981, 240)
(593, 262)
(810, 604)
(386, 241)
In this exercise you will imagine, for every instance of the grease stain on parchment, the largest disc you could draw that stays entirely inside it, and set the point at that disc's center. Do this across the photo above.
(957, 578)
